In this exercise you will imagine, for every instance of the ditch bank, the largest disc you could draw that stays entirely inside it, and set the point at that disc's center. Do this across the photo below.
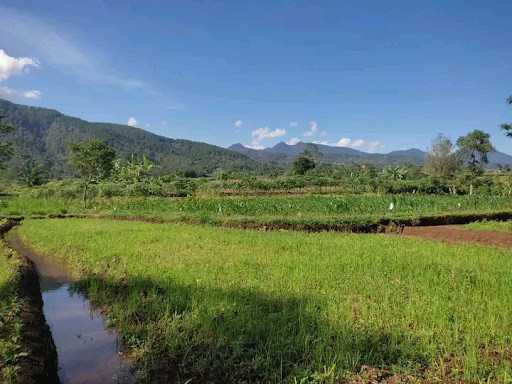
(37, 364)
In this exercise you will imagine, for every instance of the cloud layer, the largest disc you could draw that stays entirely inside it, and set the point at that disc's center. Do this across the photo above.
(13, 66)
(293, 141)
(265, 133)
(10, 66)
(313, 129)
(313, 135)
(238, 124)
(132, 122)
(360, 144)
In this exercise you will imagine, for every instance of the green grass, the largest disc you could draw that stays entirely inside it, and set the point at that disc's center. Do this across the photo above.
(10, 321)
(227, 305)
(267, 210)
(493, 226)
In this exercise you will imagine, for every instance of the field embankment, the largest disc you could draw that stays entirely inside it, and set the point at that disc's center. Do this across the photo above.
(27, 352)
(223, 305)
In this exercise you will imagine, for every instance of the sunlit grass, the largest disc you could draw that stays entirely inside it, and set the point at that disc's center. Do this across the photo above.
(297, 209)
(494, 226)
(229, 305)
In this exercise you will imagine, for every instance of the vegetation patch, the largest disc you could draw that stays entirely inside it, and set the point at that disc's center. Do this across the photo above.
(315, 212)
(493, 226)
(224, 305)
(10, 321)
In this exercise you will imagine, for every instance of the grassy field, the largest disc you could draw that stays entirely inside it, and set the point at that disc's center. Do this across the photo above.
(268, 210)
(227, 305)
(10, 322)
(494, 226)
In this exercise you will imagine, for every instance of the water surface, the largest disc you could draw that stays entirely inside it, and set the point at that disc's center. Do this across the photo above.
(88, 352)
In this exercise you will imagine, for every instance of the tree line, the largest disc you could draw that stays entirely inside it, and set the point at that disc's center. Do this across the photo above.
(94, 160)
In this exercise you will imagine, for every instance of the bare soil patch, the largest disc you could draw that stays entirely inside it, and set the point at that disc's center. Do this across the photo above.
(454, 234)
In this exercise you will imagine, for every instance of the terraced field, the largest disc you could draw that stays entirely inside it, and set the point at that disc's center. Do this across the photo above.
(224, 305)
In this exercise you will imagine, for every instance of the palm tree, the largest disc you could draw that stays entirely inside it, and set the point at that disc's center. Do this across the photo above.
(395, 172)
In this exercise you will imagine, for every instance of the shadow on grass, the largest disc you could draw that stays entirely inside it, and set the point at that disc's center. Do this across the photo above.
(222, 335)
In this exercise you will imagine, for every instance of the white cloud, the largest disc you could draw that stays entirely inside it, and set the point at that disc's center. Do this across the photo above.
(260, 134)
(361, 144)
(132, 122)
(32, 94)
(13, 94)
(59, 51)
(10, 66)
(238, 124)
(313, 129)
(343, 142)
(14, 65)
(322, 142)
(294, 124)
(293, 141)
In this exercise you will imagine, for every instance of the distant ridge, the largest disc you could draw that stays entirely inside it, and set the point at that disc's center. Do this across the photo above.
(283, 154)
(45, 134)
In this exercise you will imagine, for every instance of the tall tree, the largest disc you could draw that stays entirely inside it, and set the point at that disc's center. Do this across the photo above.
(94, 160)
(508, 127)
(473, 151)
(441, 159)
(474, 148)
(303, 163)
(32, 173)
(6, 150)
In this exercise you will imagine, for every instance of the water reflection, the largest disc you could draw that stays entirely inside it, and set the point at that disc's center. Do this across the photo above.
(87, 352)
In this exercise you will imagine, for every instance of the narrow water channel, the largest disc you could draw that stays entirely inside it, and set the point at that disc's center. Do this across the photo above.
(88, 352)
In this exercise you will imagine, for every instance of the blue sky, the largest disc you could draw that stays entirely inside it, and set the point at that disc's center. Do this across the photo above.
(372, 75)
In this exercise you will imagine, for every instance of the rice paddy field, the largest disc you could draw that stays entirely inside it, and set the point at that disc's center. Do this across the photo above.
(207, 304)
(308, 209)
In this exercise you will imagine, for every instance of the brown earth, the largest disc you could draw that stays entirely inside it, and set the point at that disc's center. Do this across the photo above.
(454, 234)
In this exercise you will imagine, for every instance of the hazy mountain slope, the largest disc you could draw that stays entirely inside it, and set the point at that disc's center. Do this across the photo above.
(283, 154)
(499, 158)
(46, 134)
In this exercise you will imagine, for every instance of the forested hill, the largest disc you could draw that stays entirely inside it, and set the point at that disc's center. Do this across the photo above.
(45, 135)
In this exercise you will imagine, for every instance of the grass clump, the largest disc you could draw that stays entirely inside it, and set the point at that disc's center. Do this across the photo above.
(493, 226)
(10, 321)
(224, 305)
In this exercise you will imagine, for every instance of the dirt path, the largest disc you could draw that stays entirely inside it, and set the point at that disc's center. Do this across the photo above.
(454, 234)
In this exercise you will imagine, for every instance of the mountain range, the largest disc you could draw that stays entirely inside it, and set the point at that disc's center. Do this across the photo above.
(283, 154)
(46, 134)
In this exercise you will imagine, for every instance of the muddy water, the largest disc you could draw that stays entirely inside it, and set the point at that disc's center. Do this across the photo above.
(87, 351)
